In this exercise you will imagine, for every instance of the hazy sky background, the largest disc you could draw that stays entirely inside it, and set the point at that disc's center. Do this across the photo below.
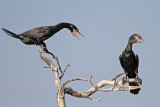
(106, 25)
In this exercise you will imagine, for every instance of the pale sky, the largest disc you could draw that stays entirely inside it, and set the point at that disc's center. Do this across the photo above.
(106, 25)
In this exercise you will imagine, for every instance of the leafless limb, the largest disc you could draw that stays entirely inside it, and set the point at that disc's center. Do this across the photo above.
(94, 99)
(75, 79)
(64, 71)
(117, 76)
(62, 89)
(56, 58)
(89, 80)
(48, 62)
(98, 87)
(45, 67)
(59, 66)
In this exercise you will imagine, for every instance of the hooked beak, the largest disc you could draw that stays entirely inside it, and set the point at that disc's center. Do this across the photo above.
(80, 34)
(74, 33)
(140, 40)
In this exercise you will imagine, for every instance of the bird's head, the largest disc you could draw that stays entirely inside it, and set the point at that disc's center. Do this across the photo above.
(74, 30)
(135, 38)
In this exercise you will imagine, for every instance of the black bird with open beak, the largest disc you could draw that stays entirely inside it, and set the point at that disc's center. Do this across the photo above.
(130, 62)
(38, 35)
(74, 30)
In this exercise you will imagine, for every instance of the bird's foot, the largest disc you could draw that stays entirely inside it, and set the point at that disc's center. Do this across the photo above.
(51, 54)
(124, 80)
(46, 51)
(139, 81)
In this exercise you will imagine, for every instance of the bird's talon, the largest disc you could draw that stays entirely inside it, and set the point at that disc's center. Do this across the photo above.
(139, 81)
(124, 80)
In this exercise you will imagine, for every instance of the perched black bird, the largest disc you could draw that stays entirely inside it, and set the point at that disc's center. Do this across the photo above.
(37, 36)
(130, 62)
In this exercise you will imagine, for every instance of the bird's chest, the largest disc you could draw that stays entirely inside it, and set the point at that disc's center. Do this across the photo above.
(129, 60)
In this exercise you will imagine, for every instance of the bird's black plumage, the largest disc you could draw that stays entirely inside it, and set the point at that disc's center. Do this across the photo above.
(37, 36)
(130, 62)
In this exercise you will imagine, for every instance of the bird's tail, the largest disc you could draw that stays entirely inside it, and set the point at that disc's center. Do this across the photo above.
(135, 91)
(11, 33)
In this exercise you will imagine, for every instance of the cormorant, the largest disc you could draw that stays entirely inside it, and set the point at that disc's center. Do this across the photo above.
(38, 35)
(130, 62)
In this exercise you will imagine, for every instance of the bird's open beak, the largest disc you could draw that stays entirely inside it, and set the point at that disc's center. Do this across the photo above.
(140, 40)
(80, 33)
(74, 33)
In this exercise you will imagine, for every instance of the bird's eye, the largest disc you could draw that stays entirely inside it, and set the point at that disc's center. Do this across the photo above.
(71, 26)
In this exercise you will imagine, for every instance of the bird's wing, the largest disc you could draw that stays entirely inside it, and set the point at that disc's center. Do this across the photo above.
(37, 32)
(137, 60)
(121, 61)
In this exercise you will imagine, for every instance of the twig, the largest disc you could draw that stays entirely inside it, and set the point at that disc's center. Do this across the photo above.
(48, 61)
(94, 99)
(75, 79)
(115, 83)
(117, 76)
(89, 80)
(56, 58)
(45, 67)
(81, 79)
(64, 71)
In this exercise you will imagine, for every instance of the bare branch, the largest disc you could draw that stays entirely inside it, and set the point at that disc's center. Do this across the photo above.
(75, 79)
(89, 80)
(56, 58)
(64, 71)
(45, 67)
(94, 100)
(98, 87)
(115, 83)
(66, 67)
(60, 90)
(81, 79)
(117, 76)
(48, 62)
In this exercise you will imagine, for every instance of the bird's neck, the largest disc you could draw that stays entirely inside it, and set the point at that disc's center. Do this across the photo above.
(129, 47)
(60, 26)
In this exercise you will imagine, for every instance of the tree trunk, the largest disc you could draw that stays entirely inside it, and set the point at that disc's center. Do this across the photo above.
(60, 90)
(60, 98)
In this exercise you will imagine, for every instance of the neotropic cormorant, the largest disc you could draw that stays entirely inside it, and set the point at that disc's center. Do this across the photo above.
(130, 62)
(38, 35)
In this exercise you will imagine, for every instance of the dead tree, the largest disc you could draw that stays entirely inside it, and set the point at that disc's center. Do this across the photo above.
(62, 89)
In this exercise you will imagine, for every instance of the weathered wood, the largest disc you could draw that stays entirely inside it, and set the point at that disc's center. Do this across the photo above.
(98, 87)
(62, 89)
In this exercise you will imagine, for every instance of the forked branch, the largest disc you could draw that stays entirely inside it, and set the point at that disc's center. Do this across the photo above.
(64, 71)
(98, 87)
